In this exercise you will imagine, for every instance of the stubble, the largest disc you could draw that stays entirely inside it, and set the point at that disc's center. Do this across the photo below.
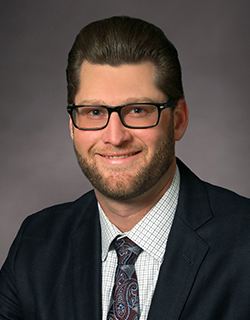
(120, 185)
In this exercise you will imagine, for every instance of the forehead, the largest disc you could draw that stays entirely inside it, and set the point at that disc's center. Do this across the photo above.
(115, 85)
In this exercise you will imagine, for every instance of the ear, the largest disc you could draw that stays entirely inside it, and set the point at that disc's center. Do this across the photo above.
(180, 119)
(71, 128)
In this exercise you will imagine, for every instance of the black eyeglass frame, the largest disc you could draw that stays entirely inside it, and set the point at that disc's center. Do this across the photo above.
(160, 106)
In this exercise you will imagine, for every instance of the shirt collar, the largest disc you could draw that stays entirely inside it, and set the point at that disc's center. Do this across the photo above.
(109, 232)
(150, 233)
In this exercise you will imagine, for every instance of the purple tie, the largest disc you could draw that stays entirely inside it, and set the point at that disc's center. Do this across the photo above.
(125, 298)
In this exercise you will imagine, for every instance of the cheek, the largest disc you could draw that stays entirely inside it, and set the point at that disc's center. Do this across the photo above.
(152, 138)
(83, 141)
(162, 133)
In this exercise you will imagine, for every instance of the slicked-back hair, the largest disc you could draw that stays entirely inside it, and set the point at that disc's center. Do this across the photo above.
(124, 40)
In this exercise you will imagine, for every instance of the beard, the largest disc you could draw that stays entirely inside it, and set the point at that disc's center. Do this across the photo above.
(122, 186)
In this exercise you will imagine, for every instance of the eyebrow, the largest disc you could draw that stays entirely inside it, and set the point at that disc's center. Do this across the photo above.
(127, 101)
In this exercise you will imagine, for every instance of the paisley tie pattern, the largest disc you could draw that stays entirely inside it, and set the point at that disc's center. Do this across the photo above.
(125, 298)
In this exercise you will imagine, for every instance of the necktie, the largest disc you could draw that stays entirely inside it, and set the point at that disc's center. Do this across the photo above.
(125, 298)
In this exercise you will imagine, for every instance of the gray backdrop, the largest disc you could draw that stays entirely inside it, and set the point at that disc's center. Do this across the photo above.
(38, 166)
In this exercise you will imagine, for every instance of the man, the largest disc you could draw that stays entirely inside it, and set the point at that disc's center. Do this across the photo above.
(187, 242)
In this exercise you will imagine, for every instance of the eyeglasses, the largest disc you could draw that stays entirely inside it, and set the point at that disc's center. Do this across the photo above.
(132, 115)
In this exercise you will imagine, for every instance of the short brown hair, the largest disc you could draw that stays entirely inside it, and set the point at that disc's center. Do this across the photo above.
(125, 40)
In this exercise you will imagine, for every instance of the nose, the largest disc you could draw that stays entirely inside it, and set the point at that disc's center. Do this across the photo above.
(115, 133)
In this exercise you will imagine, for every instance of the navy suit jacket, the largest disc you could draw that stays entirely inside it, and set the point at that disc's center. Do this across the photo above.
(53, 270)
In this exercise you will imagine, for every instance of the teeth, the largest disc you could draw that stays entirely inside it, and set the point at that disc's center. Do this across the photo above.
(118, 157)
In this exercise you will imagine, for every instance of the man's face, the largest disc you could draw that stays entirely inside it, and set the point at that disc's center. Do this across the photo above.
(120, 162)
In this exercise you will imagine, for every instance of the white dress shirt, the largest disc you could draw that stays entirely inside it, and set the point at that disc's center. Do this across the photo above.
(151, 234)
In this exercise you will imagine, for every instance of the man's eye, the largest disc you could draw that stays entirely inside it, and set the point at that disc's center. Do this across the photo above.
(137, 110)
(95, 112)
(92, 112)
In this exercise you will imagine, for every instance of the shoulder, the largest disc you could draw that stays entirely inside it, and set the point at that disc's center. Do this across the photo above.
(220, 199)
(42, 252)
(203, 204)
(224, 200)
(63, 218)
(220, 217)
(49, 233)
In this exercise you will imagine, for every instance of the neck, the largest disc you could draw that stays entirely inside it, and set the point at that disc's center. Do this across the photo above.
(126, 214)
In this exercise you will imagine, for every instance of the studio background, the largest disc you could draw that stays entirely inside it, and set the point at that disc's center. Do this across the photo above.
(37, 161)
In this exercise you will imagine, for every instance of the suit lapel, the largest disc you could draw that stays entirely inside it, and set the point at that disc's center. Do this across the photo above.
(184, 255)
(86, 266)
(185, 250)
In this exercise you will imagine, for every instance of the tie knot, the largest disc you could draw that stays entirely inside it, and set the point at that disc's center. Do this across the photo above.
(127, 251)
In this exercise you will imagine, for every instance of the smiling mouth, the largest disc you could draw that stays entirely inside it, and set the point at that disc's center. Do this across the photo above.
(120, 156)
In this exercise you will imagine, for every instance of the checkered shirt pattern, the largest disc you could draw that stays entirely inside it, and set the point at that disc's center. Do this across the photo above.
(151, 234)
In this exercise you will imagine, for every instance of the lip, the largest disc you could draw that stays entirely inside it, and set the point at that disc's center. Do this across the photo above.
(118, 158)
